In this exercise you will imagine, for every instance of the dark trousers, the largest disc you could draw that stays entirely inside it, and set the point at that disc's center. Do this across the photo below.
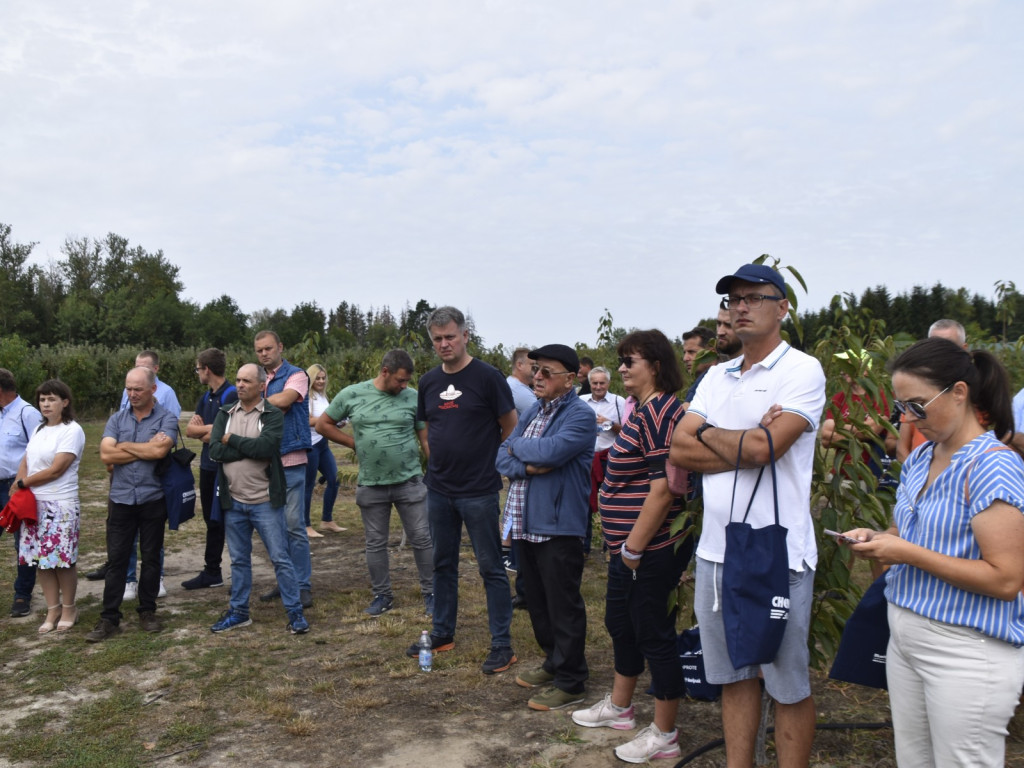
(124, 521)
(214, 528)
(552, 572)
(25, 581)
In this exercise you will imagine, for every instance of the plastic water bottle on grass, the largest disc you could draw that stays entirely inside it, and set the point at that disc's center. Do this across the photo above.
(426, 652)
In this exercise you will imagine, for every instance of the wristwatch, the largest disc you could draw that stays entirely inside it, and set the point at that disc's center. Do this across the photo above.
(21, 483)
(702, 429)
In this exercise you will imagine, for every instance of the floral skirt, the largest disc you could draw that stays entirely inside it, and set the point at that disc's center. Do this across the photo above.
(52, 541)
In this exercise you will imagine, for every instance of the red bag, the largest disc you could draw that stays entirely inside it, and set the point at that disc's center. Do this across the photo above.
(21, 507)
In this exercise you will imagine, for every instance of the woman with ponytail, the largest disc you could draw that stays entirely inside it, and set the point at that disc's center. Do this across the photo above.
(955, 662)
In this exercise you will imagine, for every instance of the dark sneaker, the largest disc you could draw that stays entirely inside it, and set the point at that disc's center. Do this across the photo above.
(534, 678)
(381, 604)
(297, 623)
(498, 660)
(273, 594)
(204, 581)
(230, 620)
(148, 622)
(437, 644)
(99, 574)
(506, 560)
(553, 698)
(22, 607)
(428, 604)
(306, 598)
(102, 631)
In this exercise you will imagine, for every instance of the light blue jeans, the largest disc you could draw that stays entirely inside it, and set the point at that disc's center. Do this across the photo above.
(295, 521)
(239, 523)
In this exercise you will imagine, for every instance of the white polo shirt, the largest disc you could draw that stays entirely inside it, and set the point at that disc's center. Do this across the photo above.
(731, 400)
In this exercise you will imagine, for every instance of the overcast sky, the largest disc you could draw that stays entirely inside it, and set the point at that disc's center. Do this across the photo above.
(530, 162)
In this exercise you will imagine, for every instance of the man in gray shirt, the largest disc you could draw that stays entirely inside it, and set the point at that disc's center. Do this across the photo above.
(134, 441)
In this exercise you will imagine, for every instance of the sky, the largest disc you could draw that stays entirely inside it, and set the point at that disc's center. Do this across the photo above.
(532, 163)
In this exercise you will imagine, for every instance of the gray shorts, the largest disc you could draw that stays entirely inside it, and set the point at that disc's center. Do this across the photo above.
(786, 679)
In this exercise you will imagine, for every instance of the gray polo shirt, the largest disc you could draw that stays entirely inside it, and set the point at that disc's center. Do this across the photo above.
(136, 482)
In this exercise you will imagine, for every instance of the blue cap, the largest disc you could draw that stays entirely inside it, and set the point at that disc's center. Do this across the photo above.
(753, 273)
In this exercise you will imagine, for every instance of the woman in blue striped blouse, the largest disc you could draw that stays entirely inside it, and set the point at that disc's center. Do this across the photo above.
(955, 662)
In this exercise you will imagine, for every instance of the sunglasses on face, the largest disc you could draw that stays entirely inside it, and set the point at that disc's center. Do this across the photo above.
(916, 409)
(546, 372)
(628, 360)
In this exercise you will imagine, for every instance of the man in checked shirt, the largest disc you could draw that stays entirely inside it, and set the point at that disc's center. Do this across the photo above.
(547, 459)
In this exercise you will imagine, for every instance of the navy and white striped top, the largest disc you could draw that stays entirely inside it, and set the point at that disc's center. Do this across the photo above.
(940, 520)
(637, 457)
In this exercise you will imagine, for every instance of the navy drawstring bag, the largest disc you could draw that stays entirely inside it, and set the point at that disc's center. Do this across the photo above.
(755, 580)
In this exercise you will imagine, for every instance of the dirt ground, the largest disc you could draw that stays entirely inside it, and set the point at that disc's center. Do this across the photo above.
(345, 694)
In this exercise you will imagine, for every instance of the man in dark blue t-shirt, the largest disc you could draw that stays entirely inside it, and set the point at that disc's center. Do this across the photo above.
(468, 408)
(210, 366)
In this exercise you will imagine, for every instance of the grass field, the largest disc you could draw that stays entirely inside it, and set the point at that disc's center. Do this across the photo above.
(343, 695)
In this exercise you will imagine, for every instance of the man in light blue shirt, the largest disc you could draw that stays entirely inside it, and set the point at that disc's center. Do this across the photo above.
(18, 420)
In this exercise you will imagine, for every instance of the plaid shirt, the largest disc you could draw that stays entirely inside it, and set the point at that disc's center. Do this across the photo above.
(515, 502)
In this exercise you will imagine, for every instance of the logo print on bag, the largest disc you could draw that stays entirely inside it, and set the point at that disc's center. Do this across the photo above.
(780, 608)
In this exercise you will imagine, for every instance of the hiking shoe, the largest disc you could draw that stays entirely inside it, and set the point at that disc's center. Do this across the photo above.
(131, 590)
(498, 660)
(230, 620)
(297, 623)
(306, 598)
(204, 581)
(534, 678)
(149, 622)
(428, 604)
(437, 645)
(553, 698)
(162, 591)
(103, 629)
(650, 744)
(381, 604)
(22, 607)
(99, 574)
(273, 594)
(604, 714)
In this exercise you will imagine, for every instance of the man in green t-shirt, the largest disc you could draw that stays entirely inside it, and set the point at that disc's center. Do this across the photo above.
(388, 439)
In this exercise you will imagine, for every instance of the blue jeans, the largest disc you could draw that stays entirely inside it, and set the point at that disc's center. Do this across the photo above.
(239, 523)
(298, 541)
(25, 581)
(480, 515)
(321, 460)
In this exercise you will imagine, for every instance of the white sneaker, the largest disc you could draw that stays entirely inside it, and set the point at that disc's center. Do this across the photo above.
(650, 744)
(604, 714)
(131, 590)
(162, 592)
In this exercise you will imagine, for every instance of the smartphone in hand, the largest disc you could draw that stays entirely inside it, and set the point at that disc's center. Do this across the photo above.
(841, 537)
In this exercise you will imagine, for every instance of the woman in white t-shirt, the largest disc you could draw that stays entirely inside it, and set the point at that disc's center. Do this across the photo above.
(321, 459)
(50, 469)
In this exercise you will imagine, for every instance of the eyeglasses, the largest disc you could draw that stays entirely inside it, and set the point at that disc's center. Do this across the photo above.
(546, 372)
(628, 360)
(753, 300)
(198, 368)
(917, 409)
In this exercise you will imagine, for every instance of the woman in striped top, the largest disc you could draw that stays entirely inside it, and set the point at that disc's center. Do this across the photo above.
(955, 664)
(637, 510)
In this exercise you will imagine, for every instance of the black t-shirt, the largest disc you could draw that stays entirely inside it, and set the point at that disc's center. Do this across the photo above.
(462, 411)
(207, 408)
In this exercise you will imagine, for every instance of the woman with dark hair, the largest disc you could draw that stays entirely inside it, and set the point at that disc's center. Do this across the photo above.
(637, 511)
(955, 663)
(50, 469)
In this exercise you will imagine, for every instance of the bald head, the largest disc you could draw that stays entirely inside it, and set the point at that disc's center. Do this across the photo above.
(249, 383)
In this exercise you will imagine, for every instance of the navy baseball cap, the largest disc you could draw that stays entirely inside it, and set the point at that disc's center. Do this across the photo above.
(560, 352)
(753, 273)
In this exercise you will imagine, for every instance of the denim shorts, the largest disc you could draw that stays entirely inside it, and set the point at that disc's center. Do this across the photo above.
(786, 679)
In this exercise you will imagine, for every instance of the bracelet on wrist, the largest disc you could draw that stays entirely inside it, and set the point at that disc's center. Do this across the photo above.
(630, 554)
